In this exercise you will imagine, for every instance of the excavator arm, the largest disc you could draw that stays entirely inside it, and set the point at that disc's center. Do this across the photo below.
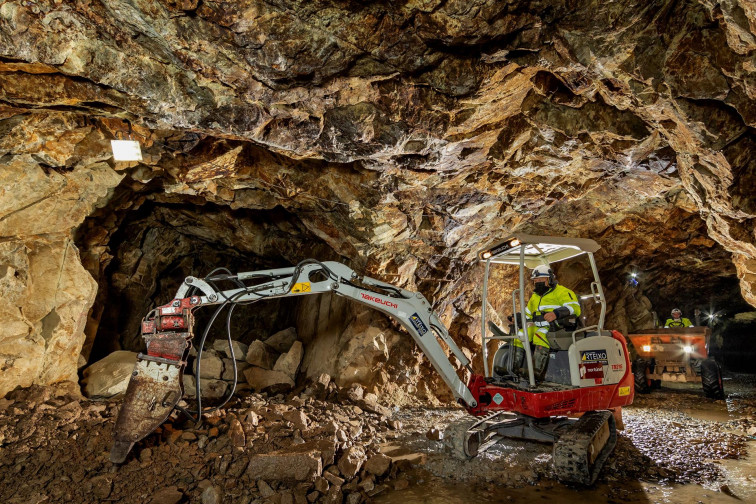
(155, 387)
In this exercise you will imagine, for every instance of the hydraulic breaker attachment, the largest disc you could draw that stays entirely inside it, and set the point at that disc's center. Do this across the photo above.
(156, 384)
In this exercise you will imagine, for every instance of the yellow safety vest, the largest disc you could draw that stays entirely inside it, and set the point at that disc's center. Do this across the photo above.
(555, 298)
(681, 322)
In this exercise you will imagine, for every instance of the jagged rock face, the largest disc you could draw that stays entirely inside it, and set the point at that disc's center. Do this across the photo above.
(398, 137)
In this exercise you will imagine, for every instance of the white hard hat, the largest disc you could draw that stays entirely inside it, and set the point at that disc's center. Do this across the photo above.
(676, 310)
(542, 271)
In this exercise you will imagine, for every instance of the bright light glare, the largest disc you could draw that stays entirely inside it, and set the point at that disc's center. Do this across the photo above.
(711, 317)
(126, 150)
(514, 243)
(646, 348)
(634, 275)
(486, 254)
(687, 349)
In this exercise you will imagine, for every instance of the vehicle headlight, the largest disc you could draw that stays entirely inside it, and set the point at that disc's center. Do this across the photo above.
(687, 349)
(646, 348)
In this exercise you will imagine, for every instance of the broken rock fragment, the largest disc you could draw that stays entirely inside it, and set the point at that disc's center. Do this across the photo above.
(351, 461)
(378, 464)
(239, 349)
(109, 376)
(261, 355)
(261, 379)
(282, 340)
(288, 363)
(287, 467)
(211, 366)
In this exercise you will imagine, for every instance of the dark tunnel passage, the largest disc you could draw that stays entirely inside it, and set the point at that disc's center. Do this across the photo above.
(156, 246)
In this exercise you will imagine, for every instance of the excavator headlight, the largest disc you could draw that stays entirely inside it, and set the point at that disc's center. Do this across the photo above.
(646, 348)
(514, 243)
(486, 254)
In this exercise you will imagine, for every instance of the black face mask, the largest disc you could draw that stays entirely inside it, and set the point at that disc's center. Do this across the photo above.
(541, 288)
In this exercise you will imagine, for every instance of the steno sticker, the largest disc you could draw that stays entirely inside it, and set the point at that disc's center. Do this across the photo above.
(588, 356)
(418, 324)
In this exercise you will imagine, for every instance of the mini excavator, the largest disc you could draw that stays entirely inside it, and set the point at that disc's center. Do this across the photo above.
(589, 369)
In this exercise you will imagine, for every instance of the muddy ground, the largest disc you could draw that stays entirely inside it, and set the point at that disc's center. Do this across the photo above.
(325, 444)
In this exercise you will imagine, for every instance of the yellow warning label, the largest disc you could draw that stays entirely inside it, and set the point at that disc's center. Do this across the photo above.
(301, 287)
(623, 391)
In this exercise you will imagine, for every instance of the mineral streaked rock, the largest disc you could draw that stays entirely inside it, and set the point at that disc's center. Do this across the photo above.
(289, 362)
(46, 295)
(402, 136)
(109, 376)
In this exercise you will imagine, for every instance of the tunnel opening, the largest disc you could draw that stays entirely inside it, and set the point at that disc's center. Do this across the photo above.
(156, 246)
(142, 246)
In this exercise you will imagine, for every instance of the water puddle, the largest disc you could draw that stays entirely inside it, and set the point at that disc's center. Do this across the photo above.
(714, 413)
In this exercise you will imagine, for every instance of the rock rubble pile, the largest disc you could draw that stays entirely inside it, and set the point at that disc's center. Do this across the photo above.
(321, 443)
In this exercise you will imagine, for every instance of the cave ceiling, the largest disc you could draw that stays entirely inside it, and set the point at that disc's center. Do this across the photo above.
(404, 136)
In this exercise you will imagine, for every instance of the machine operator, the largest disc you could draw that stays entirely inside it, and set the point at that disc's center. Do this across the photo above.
(550, 302)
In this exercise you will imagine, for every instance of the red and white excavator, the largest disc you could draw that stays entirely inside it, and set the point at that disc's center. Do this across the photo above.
(589, 372)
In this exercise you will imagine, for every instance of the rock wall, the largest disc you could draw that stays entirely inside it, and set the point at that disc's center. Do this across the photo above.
(398, 137)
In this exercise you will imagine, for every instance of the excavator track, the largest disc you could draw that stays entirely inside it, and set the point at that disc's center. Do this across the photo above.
(582, 449)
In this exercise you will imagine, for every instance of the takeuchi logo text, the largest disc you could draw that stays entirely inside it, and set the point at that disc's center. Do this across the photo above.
(378, 300)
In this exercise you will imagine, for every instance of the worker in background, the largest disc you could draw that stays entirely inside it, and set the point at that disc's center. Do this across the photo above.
(677, 320)
(549, 303)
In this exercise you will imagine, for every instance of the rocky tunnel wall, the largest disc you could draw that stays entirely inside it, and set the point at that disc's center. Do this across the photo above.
(403, 137)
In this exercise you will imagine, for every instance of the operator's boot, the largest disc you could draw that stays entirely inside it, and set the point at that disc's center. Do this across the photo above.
(540, 362)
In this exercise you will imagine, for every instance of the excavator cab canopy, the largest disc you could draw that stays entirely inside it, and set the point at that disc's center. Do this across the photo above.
(529, 251)
(538, 249)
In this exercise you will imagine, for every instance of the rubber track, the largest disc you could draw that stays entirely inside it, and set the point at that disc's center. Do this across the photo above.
(571, 450)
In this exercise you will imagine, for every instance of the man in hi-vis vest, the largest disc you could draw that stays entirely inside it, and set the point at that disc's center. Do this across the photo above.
(549, 302)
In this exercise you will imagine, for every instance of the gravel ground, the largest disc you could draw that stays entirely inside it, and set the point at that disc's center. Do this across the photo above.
(677, 446)
(54, 448)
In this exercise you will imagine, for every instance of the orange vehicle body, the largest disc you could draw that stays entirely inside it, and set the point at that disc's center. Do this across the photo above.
(667, 347)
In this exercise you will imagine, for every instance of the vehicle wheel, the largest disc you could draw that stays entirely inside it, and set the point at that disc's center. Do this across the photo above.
(711, 379)
(642, 383)
(696, 365)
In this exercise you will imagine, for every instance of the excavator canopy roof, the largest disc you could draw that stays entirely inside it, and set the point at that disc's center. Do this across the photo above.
(538, 249)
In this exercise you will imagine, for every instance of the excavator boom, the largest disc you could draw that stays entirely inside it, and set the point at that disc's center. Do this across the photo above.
(155, 387)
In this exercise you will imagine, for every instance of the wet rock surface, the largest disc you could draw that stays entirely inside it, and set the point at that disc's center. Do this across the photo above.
(296, 448)
(399, 137)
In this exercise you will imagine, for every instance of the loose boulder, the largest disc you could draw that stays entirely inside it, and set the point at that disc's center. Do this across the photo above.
(109, 376)
(211, 366)
(282, 340)
(261, 355)
(261, 379)
(351, 461)
(289, 362)
(285, 466)
(240, 349)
